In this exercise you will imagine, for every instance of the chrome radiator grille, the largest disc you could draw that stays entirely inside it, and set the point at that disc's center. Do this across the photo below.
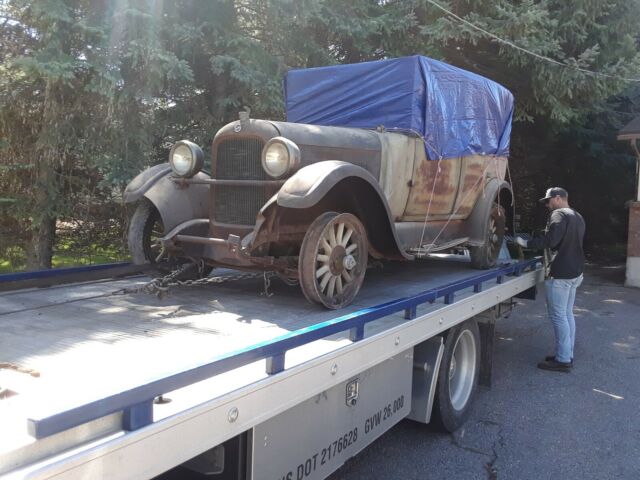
(239, 159)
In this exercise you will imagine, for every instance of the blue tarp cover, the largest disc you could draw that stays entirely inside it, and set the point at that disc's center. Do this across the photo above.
(457, 112)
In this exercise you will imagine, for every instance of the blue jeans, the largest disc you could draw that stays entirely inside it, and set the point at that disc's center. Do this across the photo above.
(561, 295)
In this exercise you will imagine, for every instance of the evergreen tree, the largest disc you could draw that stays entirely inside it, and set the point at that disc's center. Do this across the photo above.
(91, 91)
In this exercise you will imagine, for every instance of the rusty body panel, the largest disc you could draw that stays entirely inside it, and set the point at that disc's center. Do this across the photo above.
(476, 171)
(433, 189)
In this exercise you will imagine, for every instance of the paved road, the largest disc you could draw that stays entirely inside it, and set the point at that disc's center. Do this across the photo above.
(535, 424)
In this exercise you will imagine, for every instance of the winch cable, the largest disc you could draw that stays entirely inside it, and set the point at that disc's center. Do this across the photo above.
(424, 225)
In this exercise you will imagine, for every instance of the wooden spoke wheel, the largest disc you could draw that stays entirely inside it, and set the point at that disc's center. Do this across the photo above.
(486, 255)
(333, 260)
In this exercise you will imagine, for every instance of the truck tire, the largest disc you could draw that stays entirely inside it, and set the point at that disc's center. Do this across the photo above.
(486, 256)
(458, 377)
(145, 229)
(333, 260)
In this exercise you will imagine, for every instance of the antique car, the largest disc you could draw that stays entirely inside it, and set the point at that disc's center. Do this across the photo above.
(357, 171)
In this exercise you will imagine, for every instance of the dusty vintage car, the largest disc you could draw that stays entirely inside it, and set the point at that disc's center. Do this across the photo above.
(314, 202)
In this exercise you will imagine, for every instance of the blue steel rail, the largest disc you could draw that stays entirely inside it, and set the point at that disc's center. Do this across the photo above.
(58, 272)
(137, 403)
(60, 276)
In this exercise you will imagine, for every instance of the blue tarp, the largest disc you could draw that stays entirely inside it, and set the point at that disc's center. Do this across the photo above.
(457, 112)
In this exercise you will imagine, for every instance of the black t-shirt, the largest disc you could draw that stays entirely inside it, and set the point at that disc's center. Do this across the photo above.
(564, 235)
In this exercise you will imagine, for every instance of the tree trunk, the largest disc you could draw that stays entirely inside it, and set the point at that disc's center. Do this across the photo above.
(46, 190)
(40, 249)
(43, 225)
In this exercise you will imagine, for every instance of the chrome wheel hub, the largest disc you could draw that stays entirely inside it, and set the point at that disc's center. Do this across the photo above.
(349, 262)
(462, 370)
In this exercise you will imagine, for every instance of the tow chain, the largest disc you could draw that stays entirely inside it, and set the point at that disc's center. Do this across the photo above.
(160, 286)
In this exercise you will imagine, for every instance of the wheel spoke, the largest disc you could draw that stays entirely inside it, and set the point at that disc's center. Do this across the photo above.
(332, 236)
(347, 276)
(325, 280)
(326, 246)
(322, 270)
(323, 258)
(346, 237)
(340, 233)
(332, 285)
(339, 284)
(351, 248)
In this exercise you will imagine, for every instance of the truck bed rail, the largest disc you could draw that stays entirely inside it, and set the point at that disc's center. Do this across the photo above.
(58, 276)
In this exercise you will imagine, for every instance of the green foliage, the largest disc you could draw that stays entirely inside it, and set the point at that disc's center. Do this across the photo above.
(93, 92)
(598, 36)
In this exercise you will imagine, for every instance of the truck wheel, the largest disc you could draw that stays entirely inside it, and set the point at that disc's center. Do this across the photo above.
(145, 231)
(333, 260)
(458, 377)
(486, 256)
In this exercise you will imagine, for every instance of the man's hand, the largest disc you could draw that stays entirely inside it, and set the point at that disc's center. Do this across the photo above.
(522, 242)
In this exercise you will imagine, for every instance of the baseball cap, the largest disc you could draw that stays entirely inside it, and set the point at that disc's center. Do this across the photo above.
(554, 192)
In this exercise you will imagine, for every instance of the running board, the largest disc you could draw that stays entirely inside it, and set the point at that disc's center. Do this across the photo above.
(429, 248)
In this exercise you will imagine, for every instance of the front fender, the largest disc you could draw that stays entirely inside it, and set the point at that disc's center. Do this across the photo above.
(343, 186)
(176, 203)
(310, 184)
(144, 181)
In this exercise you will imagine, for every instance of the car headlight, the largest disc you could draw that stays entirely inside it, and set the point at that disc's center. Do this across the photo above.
(186, 158)
(280, 156)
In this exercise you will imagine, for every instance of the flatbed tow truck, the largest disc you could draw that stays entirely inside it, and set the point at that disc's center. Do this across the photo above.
(238, 384)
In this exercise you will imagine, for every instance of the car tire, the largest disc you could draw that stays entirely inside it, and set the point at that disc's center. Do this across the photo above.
(486, 256)
(458, 377)
(333, 260)
(145, 229)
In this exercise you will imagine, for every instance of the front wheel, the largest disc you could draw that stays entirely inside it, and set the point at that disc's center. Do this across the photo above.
(458, 376)
(145, 231)
(333, 260)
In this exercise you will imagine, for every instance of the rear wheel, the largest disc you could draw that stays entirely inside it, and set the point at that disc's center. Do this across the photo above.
(333, 260)
(145, 231)
(458, 376)
(486, 256)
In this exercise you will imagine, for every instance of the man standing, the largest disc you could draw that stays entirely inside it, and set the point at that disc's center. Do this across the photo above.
(562, 242)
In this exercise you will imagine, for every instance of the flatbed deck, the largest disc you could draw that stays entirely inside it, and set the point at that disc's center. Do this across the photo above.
(84, 343)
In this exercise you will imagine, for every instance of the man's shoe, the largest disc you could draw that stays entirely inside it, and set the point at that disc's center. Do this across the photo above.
(555, 366)
(548, 358)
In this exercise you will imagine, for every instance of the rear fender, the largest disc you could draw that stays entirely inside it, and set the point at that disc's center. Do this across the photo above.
(176, 203)
(494, 191)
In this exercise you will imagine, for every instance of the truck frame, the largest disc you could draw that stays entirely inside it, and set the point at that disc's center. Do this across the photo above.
(291, 393)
